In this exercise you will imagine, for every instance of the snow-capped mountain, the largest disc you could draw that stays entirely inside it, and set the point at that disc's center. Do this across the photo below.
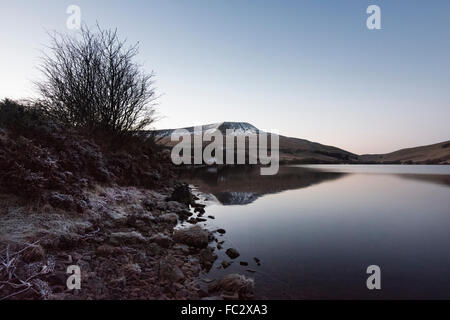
(236, 128)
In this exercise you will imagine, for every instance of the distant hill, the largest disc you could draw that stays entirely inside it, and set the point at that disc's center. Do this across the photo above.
(301, 151)
(438, 153)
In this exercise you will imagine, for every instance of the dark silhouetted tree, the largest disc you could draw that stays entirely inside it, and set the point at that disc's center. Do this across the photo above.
(92, 81)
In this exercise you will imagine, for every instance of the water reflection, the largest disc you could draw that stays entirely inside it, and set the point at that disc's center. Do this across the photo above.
(239, 185)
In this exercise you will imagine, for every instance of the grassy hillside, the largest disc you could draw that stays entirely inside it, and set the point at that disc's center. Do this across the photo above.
(438, 153)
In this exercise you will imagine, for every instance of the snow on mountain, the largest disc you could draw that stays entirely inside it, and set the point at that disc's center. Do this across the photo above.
(236, 128)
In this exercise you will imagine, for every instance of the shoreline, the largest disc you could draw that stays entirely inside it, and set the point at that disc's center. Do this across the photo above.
(127, 248)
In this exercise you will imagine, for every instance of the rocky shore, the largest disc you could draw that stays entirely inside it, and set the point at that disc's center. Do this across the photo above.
(126, 243)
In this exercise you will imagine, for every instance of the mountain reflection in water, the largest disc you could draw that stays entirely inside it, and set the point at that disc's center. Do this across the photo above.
(241, 185)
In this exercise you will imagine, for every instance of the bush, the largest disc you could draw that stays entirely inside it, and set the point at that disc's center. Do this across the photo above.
(93, 82)
(22, 117)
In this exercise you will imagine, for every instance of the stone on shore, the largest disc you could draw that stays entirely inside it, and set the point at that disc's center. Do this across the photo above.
(182, 194)
(132, 237)
(232, 253)
(232, 284)
(170, 218)
(162, 240)
(221, 231)
(194, 236)
(207, 258)
(169, 271)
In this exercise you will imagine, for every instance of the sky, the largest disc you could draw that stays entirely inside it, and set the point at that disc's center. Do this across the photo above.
(308, 69)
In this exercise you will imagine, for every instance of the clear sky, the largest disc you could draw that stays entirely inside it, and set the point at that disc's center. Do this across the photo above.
(310, 69)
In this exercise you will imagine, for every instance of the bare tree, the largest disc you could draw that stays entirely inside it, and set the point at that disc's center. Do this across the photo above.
(92, 81)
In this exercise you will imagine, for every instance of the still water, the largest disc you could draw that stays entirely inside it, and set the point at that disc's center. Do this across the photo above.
(316, 228)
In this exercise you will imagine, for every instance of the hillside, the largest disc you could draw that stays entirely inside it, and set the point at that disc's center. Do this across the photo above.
(438, 153)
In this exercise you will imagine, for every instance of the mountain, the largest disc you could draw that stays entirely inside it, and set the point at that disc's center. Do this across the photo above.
(300, 151)
(292, 150)
(438, 153)
(236, 127)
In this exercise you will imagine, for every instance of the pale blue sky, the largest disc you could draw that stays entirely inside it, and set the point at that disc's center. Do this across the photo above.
(310, 69)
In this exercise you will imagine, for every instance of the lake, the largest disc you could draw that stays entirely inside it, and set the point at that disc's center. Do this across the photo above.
(316, 228)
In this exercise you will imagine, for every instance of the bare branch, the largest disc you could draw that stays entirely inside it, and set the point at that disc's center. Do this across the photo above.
(93, 82)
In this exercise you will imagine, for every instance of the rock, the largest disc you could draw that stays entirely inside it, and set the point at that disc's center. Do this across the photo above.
(250, 270)
(132, 237)
(207, 280)
(200, 219)
(184, 214)
(200, 210)
(140, 257)
(236, 284)
(132, 268)
(175, 206)
(192, 220)
(221, 231)
(148, 218)
(184, 249)
(182, 194)
(226, 296)
(148, 204)
(169, 271)
(225, 264)
(162, 240)
(202, 293)
(170, 218)
(207, 258)
(105, 250)
(211, 217)
(33, 254)
(232, 253)
(258, 262)
(153, 249)
(219, 246)
(194, 236)
(243, 263)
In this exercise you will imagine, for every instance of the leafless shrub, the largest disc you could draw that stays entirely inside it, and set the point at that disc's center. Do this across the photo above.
(14, 284)
(92, 81)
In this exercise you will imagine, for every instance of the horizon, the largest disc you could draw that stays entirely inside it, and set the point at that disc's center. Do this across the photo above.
(208, 124)
(312, 71)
